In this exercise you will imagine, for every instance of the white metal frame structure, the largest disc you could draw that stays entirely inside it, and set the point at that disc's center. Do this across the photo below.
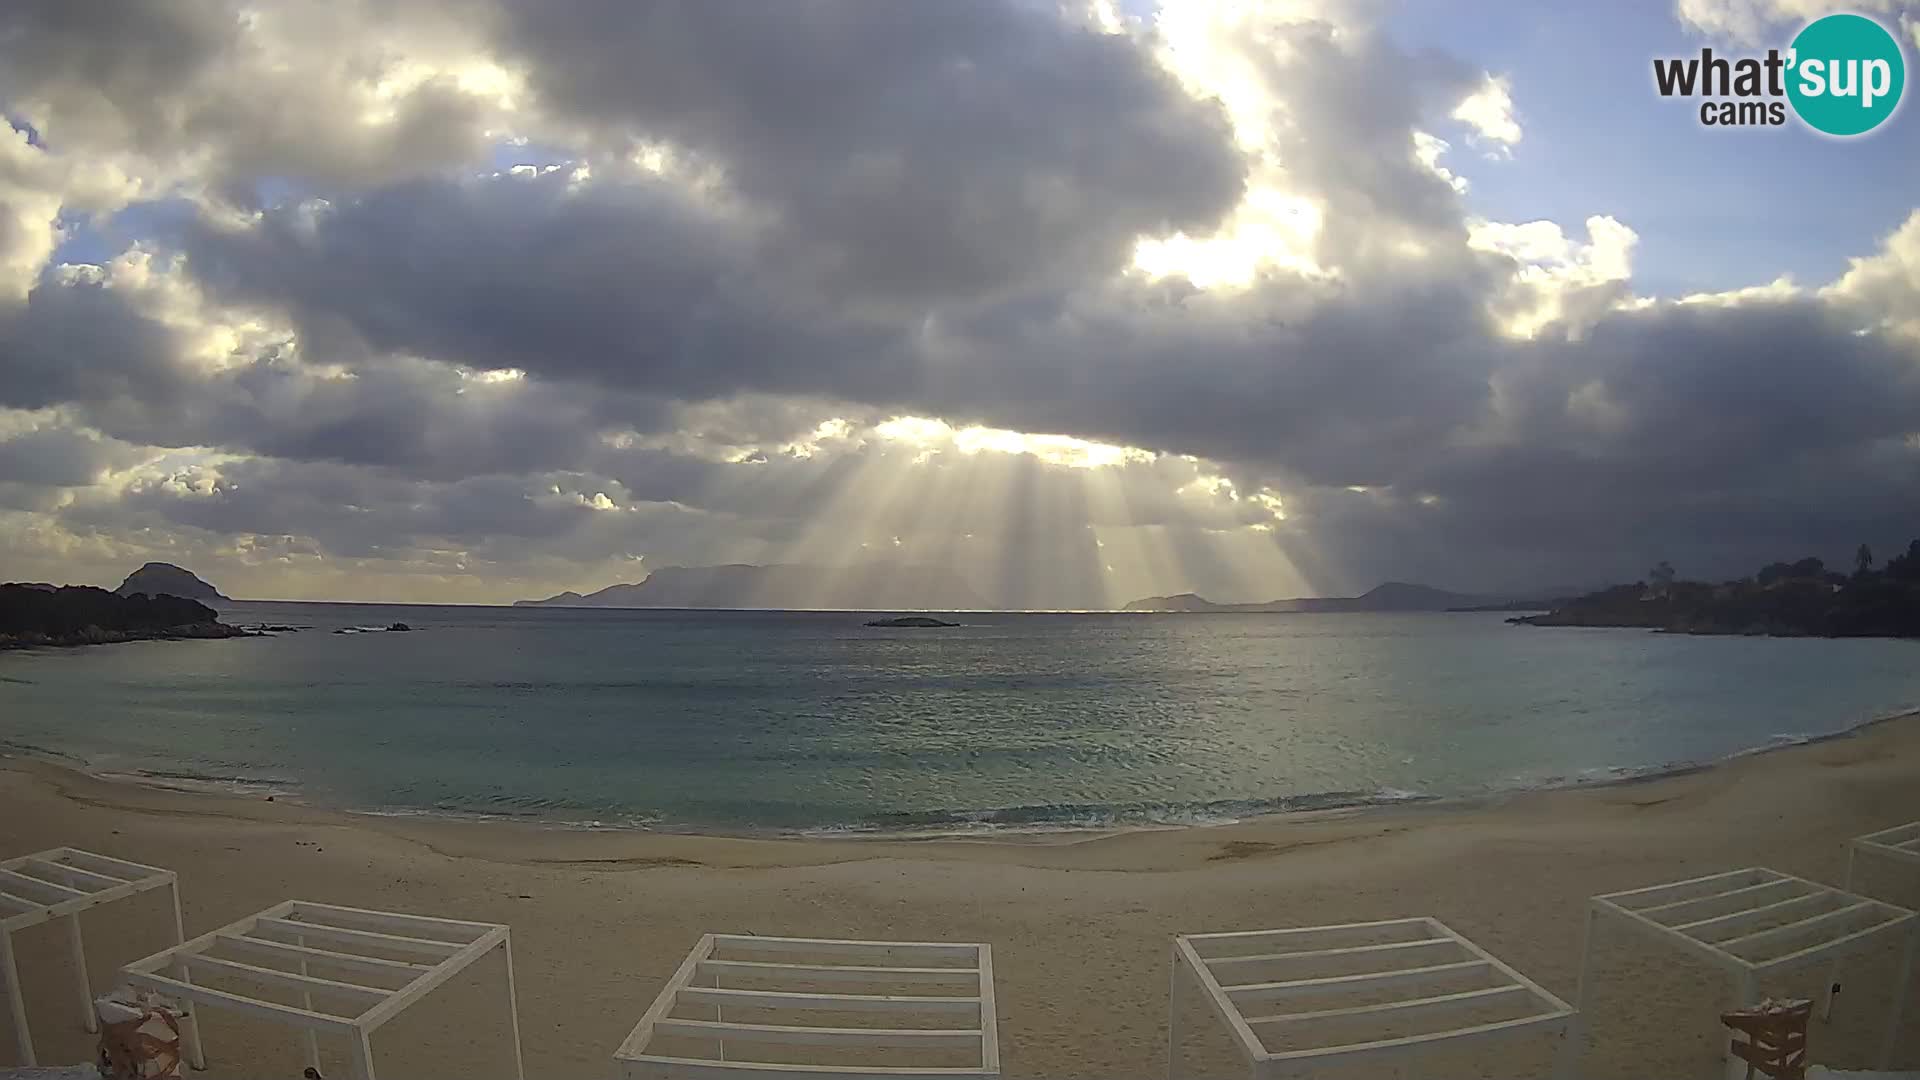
(948, 979)
(1900, 843)
(1413, 973)
(1754, 923)
(60, 883)
(377, 964)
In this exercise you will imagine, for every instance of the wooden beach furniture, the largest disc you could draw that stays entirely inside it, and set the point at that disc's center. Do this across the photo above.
(1775, 1038)
(60, 883)
(1296, 1000)
(351, 969)
(742, 1007)
(1757, 923)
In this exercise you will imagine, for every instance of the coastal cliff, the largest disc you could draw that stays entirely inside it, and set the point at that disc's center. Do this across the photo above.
(32, 615)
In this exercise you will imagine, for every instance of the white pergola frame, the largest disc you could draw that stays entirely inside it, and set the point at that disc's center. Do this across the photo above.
(1900, 843)
(968, 993)
(1710, 918)
(440, 949)
(60, 883)
(1427, 954)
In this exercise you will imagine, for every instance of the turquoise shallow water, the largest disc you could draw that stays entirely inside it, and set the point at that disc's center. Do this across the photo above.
(809, 720)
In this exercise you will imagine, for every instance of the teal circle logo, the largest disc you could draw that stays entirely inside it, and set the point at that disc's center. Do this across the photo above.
(1845, 74)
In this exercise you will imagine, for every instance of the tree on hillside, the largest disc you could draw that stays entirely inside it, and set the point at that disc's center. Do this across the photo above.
(1806, 569)
(1905, 567)
(1863, 560)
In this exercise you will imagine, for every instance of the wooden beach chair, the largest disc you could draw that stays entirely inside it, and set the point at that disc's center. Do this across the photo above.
(1776, 1038)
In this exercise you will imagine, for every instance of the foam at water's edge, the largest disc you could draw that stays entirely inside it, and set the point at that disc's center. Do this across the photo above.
(1621, 774)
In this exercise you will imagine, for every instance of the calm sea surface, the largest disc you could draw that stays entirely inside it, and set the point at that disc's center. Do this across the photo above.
(782, 720)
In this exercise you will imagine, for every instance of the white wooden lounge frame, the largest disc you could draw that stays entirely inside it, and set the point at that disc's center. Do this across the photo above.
(1420, 955)
(959, 976)
(356, 950)
(1755, 923)
(60, 883)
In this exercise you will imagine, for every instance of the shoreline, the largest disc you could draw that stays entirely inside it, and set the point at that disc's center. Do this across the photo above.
(147, 793)
(285, 791)
(1079, 921)
(213, 631)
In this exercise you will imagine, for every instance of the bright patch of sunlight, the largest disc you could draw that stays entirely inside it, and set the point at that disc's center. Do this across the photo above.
(934, 436)
(1269, 229)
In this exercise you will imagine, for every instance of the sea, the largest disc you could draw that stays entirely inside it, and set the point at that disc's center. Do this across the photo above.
(811, 722)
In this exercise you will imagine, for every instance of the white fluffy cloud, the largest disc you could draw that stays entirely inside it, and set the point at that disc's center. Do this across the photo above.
(1759, 22)
(1489, 111)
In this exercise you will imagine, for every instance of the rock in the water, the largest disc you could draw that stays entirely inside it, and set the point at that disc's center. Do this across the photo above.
(912, 621)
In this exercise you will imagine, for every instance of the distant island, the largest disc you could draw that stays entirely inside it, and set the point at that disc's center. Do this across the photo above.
(862, 587)
(1799, 599)
(34, 615)
(166, 579)
(1390, 596)
(918, 622)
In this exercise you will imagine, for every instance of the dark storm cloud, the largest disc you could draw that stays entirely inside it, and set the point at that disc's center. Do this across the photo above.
(629, 283)
(107, 351)
(904, 150)
(1343, 388)
(226, 94)
(55, 456)
(351, 512)
(631, 280)
(80, 341)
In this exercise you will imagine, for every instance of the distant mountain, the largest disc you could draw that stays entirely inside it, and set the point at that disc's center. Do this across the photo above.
(1185, 601)
(1390, 596)
(865, 587)
(166, 579)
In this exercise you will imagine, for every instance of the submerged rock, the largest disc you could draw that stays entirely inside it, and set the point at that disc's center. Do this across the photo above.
(912, 621)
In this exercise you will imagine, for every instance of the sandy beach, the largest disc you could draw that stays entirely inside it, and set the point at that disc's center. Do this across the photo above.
(1079, 923)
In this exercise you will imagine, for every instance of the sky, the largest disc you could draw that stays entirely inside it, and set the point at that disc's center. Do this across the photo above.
(475, 300)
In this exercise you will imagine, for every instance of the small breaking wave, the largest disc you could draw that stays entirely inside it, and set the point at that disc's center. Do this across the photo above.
(1633, 774)
(1064, 817)
(215, 783)
(25, 749)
